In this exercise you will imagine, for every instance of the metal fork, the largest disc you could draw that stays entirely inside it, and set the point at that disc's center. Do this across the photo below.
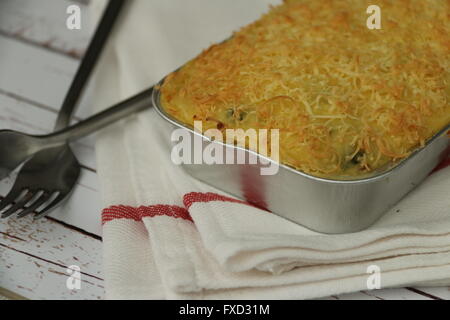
(47, 179)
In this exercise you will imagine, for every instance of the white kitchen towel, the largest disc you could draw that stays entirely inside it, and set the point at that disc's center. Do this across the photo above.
(168, 236)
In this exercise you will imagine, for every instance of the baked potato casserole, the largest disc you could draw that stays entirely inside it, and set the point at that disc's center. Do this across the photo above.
(347, 100)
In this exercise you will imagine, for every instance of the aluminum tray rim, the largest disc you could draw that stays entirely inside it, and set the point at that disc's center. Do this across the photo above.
(366, 180)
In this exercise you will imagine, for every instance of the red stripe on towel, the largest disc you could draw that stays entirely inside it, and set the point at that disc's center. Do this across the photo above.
(194, 197)
(444, 164)
(253, 187)
(137, 214)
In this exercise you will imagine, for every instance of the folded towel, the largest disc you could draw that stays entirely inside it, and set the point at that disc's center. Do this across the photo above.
(168, 236)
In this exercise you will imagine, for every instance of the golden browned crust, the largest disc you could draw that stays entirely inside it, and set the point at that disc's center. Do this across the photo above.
(347, 100)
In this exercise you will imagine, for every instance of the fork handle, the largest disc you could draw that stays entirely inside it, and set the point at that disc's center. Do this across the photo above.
(102, 119)
(87, 65)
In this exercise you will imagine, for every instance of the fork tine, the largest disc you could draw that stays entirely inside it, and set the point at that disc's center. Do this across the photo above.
(10, 197)
(20, 203)
(45, 211)
(43, 198)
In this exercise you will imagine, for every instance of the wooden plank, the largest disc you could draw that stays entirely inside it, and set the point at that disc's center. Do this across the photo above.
(34, 256)
(38, 76)
(50, 241)
(36, 279)
(8, 295)
(15, 113)
(438, 292)
(82, 209)
(22, 116)
(384, 294)
(395, 294)
(45, 25)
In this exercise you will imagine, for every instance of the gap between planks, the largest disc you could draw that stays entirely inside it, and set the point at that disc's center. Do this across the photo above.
(70, 54)
(425, 294)
(61, 223)
(47, 261)
(33, 25)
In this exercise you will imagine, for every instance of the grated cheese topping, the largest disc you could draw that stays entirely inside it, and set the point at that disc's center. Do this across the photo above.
(347, 100)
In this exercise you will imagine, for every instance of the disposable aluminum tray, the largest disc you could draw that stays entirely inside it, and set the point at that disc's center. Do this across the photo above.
(323, 205)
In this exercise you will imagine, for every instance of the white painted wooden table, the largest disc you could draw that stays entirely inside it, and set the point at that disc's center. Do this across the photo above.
(38, 58)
